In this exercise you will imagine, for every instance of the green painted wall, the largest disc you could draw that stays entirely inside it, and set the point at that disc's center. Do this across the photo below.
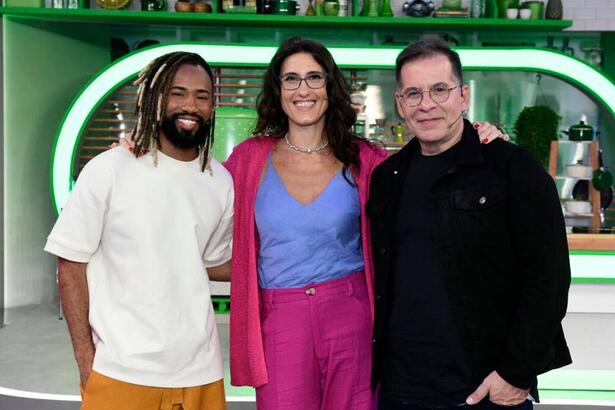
(45, 65)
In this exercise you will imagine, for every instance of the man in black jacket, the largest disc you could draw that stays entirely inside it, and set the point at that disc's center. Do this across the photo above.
(470, 253)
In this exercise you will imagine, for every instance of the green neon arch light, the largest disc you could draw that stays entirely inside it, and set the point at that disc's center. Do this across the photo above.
(105, 82)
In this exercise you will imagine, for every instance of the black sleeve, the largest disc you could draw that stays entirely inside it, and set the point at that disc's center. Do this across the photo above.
(540, 244)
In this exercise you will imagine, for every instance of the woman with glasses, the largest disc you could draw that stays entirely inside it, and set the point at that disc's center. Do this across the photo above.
(301, 288)
(301, 316)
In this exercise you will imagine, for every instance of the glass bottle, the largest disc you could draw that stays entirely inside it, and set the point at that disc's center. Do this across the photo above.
(477, 8)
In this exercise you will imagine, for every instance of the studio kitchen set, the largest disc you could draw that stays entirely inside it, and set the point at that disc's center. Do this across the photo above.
(68, 67)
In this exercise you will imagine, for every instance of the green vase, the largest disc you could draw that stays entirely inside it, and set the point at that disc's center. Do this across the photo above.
(385, 9)
(492, 9)
(310, 11)
(554, 10)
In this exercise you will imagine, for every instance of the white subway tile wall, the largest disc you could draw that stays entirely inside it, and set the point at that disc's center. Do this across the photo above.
(590, 15)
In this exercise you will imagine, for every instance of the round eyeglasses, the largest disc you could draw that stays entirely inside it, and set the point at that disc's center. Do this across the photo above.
(439, 93)
(292, 82)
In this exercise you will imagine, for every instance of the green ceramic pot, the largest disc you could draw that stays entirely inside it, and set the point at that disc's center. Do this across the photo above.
(537, 8)
(285, 7)
(331, 7)
(602, 179)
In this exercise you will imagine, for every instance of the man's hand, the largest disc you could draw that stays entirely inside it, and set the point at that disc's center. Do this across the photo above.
(488, 132)
(76, 303)
(499, 392)
(84, 364)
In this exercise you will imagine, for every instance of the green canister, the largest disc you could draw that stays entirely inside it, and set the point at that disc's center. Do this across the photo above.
(537, 8)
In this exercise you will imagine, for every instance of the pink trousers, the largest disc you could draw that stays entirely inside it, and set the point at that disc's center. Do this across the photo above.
(317, 343)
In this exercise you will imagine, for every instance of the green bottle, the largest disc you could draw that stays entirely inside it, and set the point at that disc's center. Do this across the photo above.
(492, 9)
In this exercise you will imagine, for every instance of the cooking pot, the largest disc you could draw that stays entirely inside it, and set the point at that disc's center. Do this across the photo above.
(285, 7)
(580, 132)
(419, 8)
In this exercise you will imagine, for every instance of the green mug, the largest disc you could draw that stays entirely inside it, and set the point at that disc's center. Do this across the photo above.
(537, 8)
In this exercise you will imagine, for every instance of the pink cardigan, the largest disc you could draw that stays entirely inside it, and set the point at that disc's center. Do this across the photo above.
(246, 164)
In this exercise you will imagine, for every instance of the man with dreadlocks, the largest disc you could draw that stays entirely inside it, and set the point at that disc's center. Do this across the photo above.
(137, 243)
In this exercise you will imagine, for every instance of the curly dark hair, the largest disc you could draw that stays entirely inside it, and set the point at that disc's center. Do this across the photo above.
(340, 116)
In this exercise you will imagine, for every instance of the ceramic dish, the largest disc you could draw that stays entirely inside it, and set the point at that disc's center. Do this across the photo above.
(578, 207)
(579, 171)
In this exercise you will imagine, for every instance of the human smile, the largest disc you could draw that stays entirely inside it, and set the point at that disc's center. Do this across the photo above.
(428, 121)
(187, 123)
(305, 104)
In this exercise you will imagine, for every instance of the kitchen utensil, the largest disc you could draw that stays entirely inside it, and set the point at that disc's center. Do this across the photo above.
(602, 179)
(331, 7)
(419, 8)
(580, 132)
(537, 8)
(399, 132)
(112, 4)
(288, 7)
(153, 5)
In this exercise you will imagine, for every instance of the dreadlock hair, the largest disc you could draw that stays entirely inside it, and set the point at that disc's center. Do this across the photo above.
(154, 84)
(339, 117)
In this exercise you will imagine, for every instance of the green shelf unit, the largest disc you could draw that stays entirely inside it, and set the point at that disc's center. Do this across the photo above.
(261, 20)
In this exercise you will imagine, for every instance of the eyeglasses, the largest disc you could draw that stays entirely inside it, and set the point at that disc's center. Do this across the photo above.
(292, 82)
(439, 93)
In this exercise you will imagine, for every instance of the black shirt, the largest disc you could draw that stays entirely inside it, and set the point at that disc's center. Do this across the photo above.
(424, 360)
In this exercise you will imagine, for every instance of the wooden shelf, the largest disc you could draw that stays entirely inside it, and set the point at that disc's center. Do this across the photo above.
(594, 195)
(595, 242)
(269, 20)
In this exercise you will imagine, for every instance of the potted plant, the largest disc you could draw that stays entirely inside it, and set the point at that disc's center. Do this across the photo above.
(535, 128)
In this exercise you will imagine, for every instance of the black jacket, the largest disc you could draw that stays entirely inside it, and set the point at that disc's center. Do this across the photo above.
(502, 243)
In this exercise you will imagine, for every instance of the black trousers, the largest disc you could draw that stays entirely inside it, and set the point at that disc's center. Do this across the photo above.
(384, 404)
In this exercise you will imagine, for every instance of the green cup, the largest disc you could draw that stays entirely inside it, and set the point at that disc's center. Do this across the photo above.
(504, 5)
(537, 8)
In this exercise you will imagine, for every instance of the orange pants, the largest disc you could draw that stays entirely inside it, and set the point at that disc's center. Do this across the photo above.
(104, 393)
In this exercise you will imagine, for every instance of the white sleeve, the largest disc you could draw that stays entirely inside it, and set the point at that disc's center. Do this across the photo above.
(219, 247)
(77, 232)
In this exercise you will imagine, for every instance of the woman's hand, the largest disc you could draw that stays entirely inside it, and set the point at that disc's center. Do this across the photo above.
(488, 132)
(127, 143)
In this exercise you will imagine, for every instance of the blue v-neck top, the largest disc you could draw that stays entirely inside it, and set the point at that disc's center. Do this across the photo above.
(306, 244)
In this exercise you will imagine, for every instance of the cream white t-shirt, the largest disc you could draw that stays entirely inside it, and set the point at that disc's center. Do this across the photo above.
(147, 234)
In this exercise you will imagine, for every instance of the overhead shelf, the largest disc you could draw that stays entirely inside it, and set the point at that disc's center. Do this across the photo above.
(270, 20)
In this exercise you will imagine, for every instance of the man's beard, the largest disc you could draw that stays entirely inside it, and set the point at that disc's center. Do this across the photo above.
(185, 139)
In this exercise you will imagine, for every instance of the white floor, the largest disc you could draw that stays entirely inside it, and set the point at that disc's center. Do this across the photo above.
(36, 354)
(36, 357)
